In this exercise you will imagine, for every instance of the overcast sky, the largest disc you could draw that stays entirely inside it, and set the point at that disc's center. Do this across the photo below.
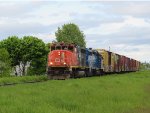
(124, 26)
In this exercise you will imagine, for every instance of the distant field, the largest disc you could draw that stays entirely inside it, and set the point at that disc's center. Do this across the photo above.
(119, 93)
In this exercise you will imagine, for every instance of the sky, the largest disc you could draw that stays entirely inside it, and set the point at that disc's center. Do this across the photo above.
(124, 27)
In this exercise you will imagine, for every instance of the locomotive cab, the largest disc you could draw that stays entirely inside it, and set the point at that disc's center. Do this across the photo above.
(61, 58)
(62, 55)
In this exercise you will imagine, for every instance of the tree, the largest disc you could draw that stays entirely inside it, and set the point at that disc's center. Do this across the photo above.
(70, 33)
(34, 51)
(24, 51)
(12, 44)
(4, 63)
(38, 66)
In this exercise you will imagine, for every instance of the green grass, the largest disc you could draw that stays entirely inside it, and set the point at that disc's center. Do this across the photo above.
(118, 93)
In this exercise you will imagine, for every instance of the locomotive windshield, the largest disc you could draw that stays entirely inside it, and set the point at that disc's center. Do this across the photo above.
(62, 47)
(70, 48)
(52, 48)
(58, 47)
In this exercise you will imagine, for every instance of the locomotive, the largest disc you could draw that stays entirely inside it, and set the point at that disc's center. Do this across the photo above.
(72, 61)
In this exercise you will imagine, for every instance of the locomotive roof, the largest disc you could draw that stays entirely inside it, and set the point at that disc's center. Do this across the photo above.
(63, 44)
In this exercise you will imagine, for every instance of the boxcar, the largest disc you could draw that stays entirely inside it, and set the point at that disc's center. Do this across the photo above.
(117, 63)
(106, 60)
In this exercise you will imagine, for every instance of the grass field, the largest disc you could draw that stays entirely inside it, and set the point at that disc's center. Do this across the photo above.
(118, 93)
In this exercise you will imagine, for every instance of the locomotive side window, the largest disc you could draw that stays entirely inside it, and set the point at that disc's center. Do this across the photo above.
(52, 48)
(64, 48)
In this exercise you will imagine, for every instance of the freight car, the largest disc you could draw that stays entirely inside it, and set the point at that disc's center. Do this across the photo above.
(71, 61)
(115, 63)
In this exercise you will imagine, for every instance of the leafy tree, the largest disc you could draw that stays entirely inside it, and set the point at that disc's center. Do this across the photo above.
(38, 66)
(4, 63)
(34, 51)
(70, 33)
(48, 47)
(12, 44)
(26, 50)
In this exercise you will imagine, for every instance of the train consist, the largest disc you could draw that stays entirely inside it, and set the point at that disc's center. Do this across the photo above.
(71, 61)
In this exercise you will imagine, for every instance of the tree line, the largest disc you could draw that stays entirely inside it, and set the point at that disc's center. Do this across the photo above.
(18, 52)
(28, 55)
(145, 66)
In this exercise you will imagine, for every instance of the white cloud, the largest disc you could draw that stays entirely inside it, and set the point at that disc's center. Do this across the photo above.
(56, 13)
(132, 8)
(45, 37)
(115, 27)
(137, 22)
(48, 20)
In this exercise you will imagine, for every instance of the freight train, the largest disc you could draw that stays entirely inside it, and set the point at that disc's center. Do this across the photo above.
(72, 61)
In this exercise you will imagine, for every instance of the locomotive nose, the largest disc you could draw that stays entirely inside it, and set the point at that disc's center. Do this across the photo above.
(58, 58)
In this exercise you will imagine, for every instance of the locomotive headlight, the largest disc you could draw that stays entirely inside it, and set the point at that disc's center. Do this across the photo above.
(51, 63)
(64, 63)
